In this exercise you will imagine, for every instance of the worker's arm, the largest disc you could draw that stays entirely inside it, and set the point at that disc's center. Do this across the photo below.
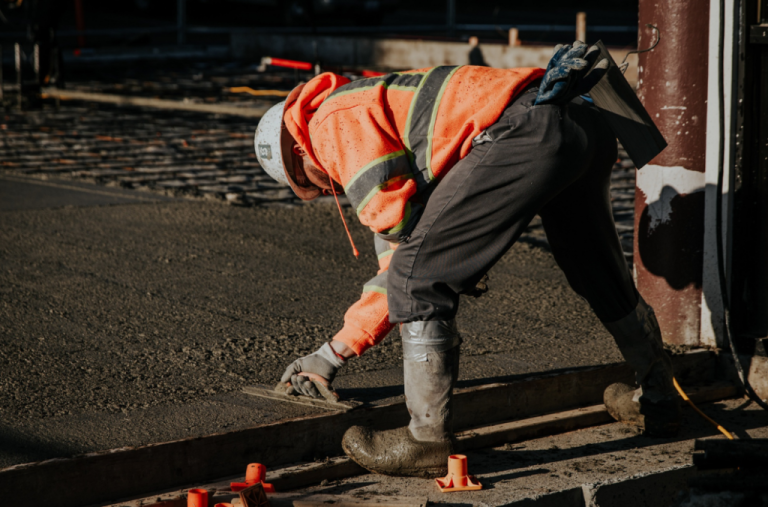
(366, 322)
(360, 148)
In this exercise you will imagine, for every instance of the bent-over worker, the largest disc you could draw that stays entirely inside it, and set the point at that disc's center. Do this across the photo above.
(448, 166)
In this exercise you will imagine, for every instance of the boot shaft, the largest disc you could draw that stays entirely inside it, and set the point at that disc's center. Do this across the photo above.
(638, 337)
(431, 353)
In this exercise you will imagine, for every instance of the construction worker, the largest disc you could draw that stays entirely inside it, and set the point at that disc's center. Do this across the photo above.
(448, 166)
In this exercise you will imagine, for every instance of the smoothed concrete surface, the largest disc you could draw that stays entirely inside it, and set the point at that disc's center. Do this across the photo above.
(25, 193)
(121, 325)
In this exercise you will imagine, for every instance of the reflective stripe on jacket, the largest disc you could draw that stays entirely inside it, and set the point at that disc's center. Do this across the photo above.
(387, 139)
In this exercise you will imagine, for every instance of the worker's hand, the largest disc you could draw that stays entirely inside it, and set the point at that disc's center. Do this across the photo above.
(323, 362)
(571, 72)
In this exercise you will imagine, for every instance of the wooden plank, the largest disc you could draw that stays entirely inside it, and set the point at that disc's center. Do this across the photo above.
(562, 422)
(119, 473)
(351, 501)
(128, 100)
(305, 474)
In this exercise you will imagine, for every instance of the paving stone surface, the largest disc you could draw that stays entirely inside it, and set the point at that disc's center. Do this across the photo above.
(184, 154)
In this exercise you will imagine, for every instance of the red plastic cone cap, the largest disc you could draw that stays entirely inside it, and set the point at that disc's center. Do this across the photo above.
(197, 498)
(255, 472)
(458, 479)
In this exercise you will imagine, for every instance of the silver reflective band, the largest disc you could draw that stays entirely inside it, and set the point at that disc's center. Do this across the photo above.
(421, 338)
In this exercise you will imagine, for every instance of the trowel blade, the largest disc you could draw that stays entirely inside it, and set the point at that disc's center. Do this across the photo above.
(286, 393)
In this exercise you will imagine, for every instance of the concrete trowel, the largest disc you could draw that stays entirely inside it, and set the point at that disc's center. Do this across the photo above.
(284, 391)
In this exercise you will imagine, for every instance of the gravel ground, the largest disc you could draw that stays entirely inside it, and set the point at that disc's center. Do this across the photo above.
(108, 313)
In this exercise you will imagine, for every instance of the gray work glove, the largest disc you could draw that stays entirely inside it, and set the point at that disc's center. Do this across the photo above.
(571, 72)
(323, 362)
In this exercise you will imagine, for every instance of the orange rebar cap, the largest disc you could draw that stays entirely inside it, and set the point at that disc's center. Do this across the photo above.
(256, 472)
(197, 498)
(223, 504)
(457, 478)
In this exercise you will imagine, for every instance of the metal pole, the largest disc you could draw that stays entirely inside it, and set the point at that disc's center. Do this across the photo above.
(17, 61)
(181, 21)
(514, 37)
(669, 195)
(2, 99)
(581, 26)
(36, 63)
(450, 19)
(80, 23)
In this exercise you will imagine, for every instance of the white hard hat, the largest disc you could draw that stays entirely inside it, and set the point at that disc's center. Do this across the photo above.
(267, 142)
(274, 149)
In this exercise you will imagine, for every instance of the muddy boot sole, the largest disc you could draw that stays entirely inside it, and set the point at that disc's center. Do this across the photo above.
(396, 453)
(660, 419)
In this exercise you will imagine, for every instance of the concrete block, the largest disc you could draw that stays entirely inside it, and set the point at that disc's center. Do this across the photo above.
(567, 498)
(660, 489)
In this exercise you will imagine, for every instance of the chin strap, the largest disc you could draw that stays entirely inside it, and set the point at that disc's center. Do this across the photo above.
(333, 190)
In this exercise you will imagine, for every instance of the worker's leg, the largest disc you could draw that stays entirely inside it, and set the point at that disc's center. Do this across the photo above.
(430, 370)
(472, 217)
(482, 206)
(582, 234)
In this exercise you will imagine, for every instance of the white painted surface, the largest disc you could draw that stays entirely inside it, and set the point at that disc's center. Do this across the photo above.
(712, 332)
(661, 184)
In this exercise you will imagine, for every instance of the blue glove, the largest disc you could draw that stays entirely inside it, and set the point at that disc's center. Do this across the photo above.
(571, 72)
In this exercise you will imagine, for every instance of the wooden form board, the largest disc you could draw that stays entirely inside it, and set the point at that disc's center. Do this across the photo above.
(128, 100)
(119, 473)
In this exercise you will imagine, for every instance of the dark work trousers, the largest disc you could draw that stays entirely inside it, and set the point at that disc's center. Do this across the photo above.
(550, 160)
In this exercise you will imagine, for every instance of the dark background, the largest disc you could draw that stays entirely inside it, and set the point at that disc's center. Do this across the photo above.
(403, 16)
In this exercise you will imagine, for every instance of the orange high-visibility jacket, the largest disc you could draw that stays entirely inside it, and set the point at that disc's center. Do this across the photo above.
(385, 140)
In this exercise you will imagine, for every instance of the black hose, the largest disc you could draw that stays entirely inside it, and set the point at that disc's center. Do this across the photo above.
(719, 217)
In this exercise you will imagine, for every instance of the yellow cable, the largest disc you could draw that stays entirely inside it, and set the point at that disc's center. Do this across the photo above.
(702, 414)
(259, 93)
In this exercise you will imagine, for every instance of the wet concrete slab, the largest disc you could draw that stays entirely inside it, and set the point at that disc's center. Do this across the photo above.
(25, 193)
(116, 321)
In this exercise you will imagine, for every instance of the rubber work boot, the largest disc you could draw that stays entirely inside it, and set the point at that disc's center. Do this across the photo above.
(422, 448)
(654, 407)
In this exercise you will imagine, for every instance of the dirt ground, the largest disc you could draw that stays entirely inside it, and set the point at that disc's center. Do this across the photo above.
(127, 321)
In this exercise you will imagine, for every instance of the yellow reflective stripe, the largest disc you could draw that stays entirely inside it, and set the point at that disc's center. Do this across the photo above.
(367, 166)
(374, 288)
(354, 90)
(385, 254)
(375, 190)
(403, 222)
(407, 130)
(379, 83)
(432, 121)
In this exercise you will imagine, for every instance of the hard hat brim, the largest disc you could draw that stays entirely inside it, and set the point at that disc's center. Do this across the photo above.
(299, 183)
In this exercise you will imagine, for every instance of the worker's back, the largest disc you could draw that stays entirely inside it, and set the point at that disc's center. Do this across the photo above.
(386, 138)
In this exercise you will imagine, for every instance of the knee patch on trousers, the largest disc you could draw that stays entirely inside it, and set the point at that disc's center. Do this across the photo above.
(423, 337)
